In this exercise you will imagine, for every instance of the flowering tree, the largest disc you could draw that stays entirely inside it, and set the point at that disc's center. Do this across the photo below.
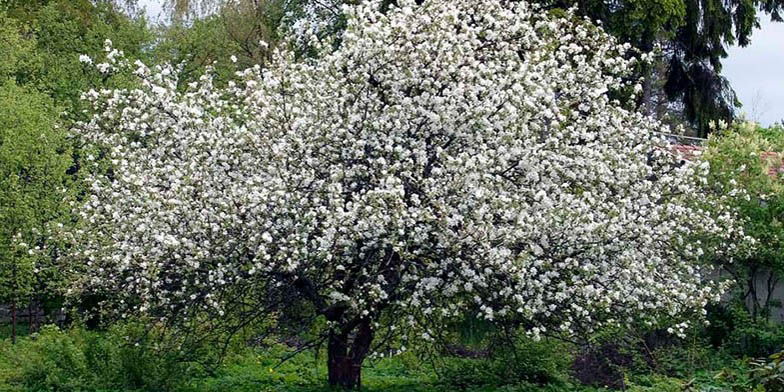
(464, 156)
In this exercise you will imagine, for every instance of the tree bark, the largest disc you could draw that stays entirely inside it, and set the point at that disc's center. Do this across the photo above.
(30, 317)
(13, 321)
(646, 101)
(346, 350)
(753, 291)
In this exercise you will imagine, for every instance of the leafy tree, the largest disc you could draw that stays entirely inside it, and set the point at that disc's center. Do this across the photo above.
(57, 32)
(247, 29)
(255, 25)
(34, 159)
(16, 50)
(243, 32)
(205, 43)
(748, 157)
(42, 43)
(450, 157)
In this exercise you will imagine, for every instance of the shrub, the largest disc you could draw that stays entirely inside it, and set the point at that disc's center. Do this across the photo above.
(769, 374)
(51, 361)
(526, 362)
(78, 360)
(732, 328)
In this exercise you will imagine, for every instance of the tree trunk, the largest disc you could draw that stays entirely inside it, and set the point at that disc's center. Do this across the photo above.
(13, 321)
(30, 316)
(345, 352)
(753, 291)
(646, 101)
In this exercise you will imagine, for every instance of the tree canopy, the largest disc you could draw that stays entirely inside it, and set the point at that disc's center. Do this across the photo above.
(691, 37)
(54, 34)
(446, 156)
(748, 157)
(34, 158)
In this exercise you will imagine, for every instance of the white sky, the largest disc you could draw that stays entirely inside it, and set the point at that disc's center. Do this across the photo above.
(756, 72)
(153, 8)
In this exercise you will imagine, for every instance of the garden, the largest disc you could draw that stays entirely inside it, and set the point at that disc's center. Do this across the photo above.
(385, 195)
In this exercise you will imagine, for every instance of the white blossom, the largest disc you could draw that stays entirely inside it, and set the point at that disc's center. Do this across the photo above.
(465, 154)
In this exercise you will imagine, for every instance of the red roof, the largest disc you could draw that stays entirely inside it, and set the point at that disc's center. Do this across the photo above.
(689, 153)
(776, 164)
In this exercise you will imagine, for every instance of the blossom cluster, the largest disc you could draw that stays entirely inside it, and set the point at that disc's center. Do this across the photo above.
(447, 156)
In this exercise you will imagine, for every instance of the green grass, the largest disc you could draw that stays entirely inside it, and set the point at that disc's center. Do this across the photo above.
(82, 361)
(261, 370)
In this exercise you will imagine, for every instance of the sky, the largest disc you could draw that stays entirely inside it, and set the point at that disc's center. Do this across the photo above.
(153, 8)
(756, 72)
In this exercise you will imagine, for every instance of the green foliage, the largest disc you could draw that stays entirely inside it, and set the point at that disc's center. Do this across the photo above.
(656, 383)
(752, 338)
(51, 35)
(34, 158)
(744, 160)
(16, 49)
(526, 362)
(55, 362)
(80, 360)
(769, 374)
(5, 330)
(205, 43)
(640, 22)
(735, 154)
(61, 37)
(685, 359)
(246, 30)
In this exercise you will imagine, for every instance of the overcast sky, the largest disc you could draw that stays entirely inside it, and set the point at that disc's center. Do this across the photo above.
(756, 72)
(153, 8)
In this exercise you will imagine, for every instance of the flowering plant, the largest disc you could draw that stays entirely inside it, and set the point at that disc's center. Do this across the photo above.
(449, 155)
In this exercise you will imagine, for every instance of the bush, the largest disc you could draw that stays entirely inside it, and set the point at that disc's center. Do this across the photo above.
(733, 329)
(769, 374)
(80, 360)
(51, 361)
(526, 363)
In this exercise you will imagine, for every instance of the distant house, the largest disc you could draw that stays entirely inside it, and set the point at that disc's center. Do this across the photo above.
(691, 152)
(777, 166)
(687, 152)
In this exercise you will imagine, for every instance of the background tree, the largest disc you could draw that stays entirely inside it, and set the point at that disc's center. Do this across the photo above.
(34, 158)
(241, 34)
(58, 32)
(42, 43)
(749, 157)
(452, 156)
